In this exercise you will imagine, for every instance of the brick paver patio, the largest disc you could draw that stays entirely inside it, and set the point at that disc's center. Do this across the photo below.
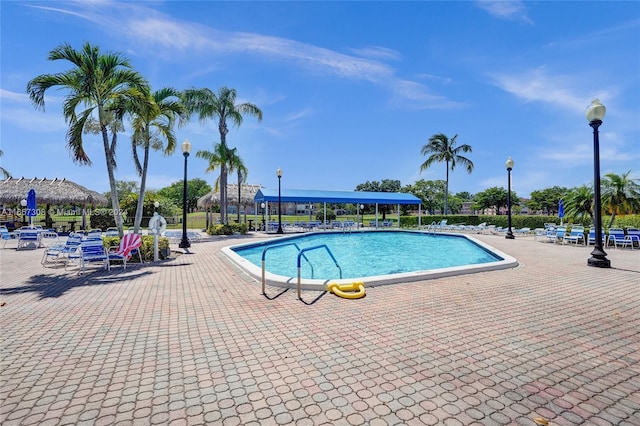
(191, 341)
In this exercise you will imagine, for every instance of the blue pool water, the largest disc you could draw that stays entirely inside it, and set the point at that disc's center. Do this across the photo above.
(366, 254)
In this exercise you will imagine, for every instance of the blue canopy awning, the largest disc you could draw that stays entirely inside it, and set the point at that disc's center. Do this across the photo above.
(319, 196)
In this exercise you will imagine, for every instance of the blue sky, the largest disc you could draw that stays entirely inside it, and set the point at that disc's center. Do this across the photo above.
(350, 91)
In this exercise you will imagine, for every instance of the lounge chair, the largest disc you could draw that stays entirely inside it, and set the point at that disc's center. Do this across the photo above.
(618, 238)
(28, 238)
(111, 232)
(591, 239)
(129, 246)
(557, 235)
(576, 235)
(6, 235)
(59, 253)
(634, 235)
(95, 233)
(89, 250)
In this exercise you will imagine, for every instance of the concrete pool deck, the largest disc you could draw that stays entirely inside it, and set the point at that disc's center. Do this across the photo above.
(191, 341)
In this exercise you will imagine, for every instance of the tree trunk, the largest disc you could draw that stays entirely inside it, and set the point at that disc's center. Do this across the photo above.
(446, 192)
(115, 204)
(143, 184)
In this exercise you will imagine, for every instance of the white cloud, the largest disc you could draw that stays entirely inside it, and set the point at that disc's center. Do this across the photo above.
(538, 85)
(511, 10)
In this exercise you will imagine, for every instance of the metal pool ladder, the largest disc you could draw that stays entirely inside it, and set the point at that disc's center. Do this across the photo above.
(301, 254)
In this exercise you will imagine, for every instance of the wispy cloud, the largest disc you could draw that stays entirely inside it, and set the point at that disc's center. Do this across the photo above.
(171, 39)
(511, 10)
(538, 85)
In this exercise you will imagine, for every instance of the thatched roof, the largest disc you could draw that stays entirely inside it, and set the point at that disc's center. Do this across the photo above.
(49, 191)
(247, 193)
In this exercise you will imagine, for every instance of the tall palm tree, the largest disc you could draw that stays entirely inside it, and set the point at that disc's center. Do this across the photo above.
(236, 164)
(4, 171)
(153, 124)
(223, 107)
(620, 195)
(444, 149)
(100, 83)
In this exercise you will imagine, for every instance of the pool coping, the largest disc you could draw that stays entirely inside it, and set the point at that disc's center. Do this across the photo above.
(271, 279)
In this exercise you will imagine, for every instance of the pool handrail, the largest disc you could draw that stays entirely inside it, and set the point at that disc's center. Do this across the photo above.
(264, 252)
(301, 253)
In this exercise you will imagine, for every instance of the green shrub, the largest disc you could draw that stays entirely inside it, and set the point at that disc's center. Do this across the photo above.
(230, 229)
(146, 249)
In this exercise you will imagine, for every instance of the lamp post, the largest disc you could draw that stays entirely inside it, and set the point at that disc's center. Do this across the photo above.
(23, 203)
(509, 165)
(184, 243)
(279, 173)
(264, 216)
(156, 205)
(595, 114)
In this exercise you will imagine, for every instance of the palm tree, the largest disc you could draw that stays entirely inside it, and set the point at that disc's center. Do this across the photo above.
(620, 195)
(101, 83)
(444, 149)
(4, 171)
(220, 157)
(578, 203)
(153, 123)
(222, 107)
(236, 164)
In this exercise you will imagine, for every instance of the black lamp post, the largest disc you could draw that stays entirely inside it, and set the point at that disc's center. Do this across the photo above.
(595, 114)
(279, 173)
(184, 243)
(509, 165)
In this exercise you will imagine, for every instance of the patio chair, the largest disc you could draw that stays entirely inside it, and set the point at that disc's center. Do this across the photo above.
(28, 238)
(111, 232)
(89, 250)
(129, 246)
(95, 233)
(618, 238)
(557, 235)
(55, 254)
(634, 235)
(576, 235)
(591, 239)
(6, 235)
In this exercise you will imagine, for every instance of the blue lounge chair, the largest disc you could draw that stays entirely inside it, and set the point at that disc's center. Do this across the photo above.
(7, 236)
(90, 250)
(575, 236)
(592, 237)
(28, 238)
(634, 235)
(618, 238)
(59, 253)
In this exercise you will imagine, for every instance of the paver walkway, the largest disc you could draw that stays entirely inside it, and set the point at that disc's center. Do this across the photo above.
(191, 341)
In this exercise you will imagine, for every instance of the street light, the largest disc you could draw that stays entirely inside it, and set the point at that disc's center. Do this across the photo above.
(595, 114)
(279, 173)
(23, 203)
(264, 216)
(184, 243)
(509, 165)
(156, 205)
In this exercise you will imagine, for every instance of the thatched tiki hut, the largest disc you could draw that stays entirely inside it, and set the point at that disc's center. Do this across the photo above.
(240, 196)
(50, 192)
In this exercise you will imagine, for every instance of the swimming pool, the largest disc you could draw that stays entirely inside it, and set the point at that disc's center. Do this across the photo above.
(374, 257)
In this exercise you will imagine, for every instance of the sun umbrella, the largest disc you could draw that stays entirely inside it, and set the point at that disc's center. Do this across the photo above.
(32, 207)
(561, 210)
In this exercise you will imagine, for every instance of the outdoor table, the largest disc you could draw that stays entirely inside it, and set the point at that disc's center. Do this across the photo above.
(72, 225)
(250, 224)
